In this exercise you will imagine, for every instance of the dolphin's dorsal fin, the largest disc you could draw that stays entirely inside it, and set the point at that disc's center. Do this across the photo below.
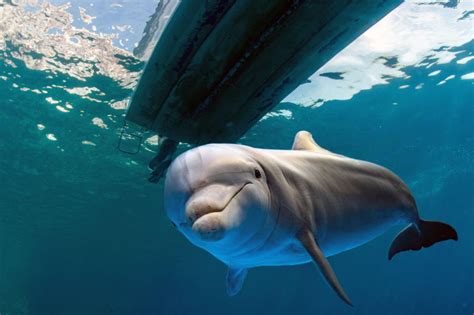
(304, 141)
(235, 280)
(309, 243)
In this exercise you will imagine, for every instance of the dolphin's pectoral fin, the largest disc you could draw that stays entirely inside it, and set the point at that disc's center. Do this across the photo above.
(309, 243)
(304, 141)
(235, 280)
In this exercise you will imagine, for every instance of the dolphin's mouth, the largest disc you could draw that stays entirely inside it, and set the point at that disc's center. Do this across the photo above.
(199, 216)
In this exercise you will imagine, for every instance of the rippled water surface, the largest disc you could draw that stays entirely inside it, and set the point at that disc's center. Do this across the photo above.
(83, 232)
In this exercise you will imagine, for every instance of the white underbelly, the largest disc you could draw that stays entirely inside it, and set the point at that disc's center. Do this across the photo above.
(336, 236)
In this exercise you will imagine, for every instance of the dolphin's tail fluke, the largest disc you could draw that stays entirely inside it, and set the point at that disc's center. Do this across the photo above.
(424, 234)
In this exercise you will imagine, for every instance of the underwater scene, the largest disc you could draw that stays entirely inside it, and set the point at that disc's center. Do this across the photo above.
(82, 230)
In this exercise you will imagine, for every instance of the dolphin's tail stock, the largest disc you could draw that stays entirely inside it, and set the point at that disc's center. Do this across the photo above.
(422, 234)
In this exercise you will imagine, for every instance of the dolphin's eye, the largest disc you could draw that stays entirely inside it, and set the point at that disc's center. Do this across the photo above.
(174, 224)
(258, 174)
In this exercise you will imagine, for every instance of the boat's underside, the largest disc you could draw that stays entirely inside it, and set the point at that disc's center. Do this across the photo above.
(221, 65)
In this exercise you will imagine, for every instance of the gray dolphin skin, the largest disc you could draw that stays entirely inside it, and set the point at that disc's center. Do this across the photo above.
(254, 207)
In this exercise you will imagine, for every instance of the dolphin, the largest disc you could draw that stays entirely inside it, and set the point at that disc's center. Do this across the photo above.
(255, 207)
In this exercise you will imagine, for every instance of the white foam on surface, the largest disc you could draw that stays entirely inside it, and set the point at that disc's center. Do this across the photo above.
(468, 76)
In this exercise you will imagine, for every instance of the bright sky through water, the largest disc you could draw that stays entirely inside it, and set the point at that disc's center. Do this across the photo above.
(406, 37)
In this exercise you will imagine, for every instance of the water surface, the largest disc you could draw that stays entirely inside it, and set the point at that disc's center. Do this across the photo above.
(83, 232)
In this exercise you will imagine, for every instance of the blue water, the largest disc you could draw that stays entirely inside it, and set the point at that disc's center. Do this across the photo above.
(83, 232)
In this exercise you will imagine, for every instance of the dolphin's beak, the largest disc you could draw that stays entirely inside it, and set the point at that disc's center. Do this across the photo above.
(210, 199)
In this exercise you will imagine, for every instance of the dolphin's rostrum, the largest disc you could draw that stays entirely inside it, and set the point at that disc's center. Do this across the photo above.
(253, 207)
